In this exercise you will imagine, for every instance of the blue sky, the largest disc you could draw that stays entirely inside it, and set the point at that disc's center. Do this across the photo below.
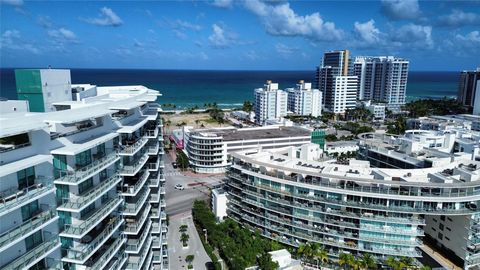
(225, 34)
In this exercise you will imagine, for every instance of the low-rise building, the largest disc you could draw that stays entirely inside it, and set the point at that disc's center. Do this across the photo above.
(377, 110)
(208, 149)
(219, 203)
(341, 147)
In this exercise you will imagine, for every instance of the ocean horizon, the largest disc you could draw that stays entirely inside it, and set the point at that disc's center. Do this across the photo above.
(228, 88)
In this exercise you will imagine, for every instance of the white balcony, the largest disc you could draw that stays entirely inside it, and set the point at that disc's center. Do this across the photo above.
(133, 226)
(153, 148)
(136, 262)
(153, 166)
(13, 199)
(81, 252)
(132, 148)
(80, 229)
(132, 190)
(134, 208)
(134, 167)
(134, 246)
(81, 174)
(108, 251)
(32, 257)
(78, 203)
(27, 228)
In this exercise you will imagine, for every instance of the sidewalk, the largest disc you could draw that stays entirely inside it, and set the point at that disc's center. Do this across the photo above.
(445, 262)
(177, 252)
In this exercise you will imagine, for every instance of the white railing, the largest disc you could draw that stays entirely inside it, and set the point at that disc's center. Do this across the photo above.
(80, 174)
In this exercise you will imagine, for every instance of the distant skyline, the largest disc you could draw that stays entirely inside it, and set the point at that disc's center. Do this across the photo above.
(236, 35)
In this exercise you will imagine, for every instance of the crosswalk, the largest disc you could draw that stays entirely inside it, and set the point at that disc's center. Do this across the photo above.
(172, 173)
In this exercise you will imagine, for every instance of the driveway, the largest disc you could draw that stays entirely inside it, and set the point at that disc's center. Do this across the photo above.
(176, 252)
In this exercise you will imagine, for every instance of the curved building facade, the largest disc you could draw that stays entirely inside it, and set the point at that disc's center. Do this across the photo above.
(291, 196)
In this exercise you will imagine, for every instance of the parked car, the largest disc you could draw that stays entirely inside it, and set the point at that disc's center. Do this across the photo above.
(179, 187)
(209, 266)
(174, 165)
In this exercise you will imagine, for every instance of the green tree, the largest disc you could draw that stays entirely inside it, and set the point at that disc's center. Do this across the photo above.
(367, 261)
(346, 259)
(189, 259)
(265, 262)
(183, 228)
(247, 106)
(394, 263)
(184, 239)
(182, 160)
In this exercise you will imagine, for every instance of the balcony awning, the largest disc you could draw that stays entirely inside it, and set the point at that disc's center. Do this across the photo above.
(128, 106)
(23, 163)
(78, 147)
(78, 115)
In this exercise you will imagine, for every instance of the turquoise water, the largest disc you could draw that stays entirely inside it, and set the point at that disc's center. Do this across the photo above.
(187, 88)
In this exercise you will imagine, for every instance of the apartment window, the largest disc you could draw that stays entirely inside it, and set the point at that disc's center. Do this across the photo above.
(59, 165)
(87, 210)
(449, 219)
(442, 218)
(440, 236)
(29, 210)
(62, 192)
(83, 159)
(434, 229)
(448, 239)
(441, 227)
(33, 240)
(85, 185)
(26, 177)
(448, 229)
(435, 220)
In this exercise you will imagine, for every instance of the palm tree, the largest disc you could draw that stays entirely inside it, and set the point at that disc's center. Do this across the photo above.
(346, 259)
(356, 264)
(407, 262)
(184, 239)
(394, 263)
(368, 261)
(322, 255)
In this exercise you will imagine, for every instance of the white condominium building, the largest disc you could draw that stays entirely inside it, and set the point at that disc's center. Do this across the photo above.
(270, 103)
(303, 100)
(343, 95)
(208, 150)
(294, 196)
(476, 105)
(82, 184)
(382, 78)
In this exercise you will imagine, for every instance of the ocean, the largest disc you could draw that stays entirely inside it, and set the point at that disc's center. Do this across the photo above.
(188, 88)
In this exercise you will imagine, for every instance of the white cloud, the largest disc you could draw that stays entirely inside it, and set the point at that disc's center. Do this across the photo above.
(184, 25)
(223, 3)
(62, 35)
(401, 9)
(219, 39)
(280, 20)
(459, 18)
(367, 33)
(413, 35)
(179, 34)
(473, 36)
(251, 55)
(284, 49)
(11, 39)
(44, 21)
(137, 43)
(107, 18)
(15, 3)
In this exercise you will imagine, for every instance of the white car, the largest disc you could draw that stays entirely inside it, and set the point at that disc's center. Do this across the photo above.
(179, 187)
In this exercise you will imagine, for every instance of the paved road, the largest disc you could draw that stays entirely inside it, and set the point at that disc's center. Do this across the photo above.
(177, 252)
(181, 201)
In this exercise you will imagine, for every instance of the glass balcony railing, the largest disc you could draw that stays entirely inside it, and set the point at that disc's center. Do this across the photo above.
(27, 226)
(136, 262)
(118, 261)
(85, 172)
(98, 215)
(94, 193)
(133, 208)
(133, 225)
(132, 190)
(135, 245)
(13, 198)
(82, 251)
(153, 166)
(40, 251)
(163, 203)
(133, 147)
(135, 166)
(104, 255)
(153, 148)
